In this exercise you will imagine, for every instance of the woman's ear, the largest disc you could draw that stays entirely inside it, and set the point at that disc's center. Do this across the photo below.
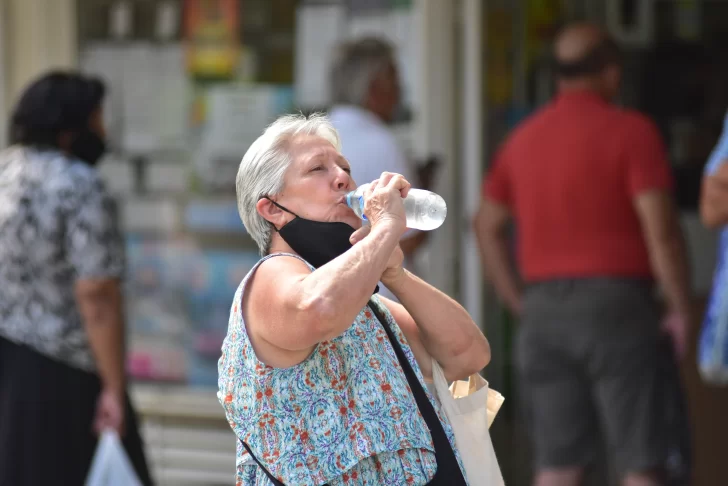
(271, 213)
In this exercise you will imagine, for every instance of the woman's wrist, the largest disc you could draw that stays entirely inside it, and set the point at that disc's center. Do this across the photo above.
(394, 278)
(115, 384)
(390, 226)
(385, 236)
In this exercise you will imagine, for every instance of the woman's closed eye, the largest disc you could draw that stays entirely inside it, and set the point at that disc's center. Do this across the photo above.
(319, 168)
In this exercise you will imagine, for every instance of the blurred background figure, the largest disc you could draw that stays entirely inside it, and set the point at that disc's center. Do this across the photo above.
(714, 194)
(366, 94)
(62, 377)
(714, 215)
(588, 186)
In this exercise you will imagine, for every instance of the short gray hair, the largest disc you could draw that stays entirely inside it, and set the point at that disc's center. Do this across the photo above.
(264, 166)
(356, 64)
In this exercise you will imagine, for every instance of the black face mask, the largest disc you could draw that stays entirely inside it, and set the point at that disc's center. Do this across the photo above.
(88, 146)
(316, 242)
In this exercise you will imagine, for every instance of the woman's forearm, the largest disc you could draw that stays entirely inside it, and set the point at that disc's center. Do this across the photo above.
(100, 304)
(339, 290)
(446, 329)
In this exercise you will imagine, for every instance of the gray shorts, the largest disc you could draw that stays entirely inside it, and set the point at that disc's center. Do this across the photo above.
(593, 363)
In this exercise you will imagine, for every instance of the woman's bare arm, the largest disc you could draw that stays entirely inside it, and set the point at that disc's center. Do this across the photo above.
(437, 325)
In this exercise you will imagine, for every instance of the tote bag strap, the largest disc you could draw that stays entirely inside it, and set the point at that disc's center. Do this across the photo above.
(443, 391)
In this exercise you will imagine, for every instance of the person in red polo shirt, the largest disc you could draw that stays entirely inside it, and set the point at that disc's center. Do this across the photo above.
(588, 186)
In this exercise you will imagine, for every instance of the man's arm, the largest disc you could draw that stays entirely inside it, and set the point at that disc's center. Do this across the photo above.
(666, 246)
(714, 198)
(491, 224)
(649, 182)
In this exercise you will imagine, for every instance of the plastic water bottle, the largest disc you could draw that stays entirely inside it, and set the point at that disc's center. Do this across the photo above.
(425, 210)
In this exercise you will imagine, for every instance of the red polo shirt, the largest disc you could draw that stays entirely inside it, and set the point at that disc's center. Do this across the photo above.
(569, 175)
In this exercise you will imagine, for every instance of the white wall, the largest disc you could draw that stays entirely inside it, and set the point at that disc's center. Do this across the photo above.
(38, 35)
(3, 76)
(472, 150)
(434, 130)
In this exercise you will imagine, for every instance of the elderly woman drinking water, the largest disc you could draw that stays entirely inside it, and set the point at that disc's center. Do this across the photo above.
(322, 380)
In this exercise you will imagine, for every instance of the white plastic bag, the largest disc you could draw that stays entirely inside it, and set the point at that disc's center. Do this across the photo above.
(470, 416)
(110, 465)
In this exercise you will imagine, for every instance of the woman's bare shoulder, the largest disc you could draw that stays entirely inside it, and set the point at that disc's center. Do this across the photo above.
(273, 276)
(267, 305)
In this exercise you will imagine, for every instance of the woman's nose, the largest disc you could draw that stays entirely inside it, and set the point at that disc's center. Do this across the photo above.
(343, 179)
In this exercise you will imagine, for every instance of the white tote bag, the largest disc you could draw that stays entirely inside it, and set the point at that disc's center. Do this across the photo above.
(111, 465)
(470, 407)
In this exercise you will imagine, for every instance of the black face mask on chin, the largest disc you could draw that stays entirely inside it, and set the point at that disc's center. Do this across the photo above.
(317, 242)
(88, 146)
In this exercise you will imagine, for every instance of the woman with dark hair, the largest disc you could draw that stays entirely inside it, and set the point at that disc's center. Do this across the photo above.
(62, 377)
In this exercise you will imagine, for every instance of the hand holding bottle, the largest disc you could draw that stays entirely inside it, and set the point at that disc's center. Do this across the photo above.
(384, 201)
(424, 210)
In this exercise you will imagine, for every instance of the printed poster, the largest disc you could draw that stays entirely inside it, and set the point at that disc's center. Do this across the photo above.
(212, 35)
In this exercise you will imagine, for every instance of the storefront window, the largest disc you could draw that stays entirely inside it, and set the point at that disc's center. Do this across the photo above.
(192, 83)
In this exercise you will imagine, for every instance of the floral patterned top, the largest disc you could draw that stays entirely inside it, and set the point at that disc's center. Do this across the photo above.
(344, 416)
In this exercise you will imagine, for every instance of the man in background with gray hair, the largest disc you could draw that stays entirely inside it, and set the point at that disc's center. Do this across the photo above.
(365, 95)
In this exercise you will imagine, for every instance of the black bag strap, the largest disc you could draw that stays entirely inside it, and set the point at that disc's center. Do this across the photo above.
(423, 403)
(448, 470)
(265, 469)
(272, 478)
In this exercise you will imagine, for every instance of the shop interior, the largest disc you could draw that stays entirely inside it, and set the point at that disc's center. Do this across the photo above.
(192, 84)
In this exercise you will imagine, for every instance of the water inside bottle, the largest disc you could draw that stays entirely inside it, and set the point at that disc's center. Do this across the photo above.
(425, 213)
